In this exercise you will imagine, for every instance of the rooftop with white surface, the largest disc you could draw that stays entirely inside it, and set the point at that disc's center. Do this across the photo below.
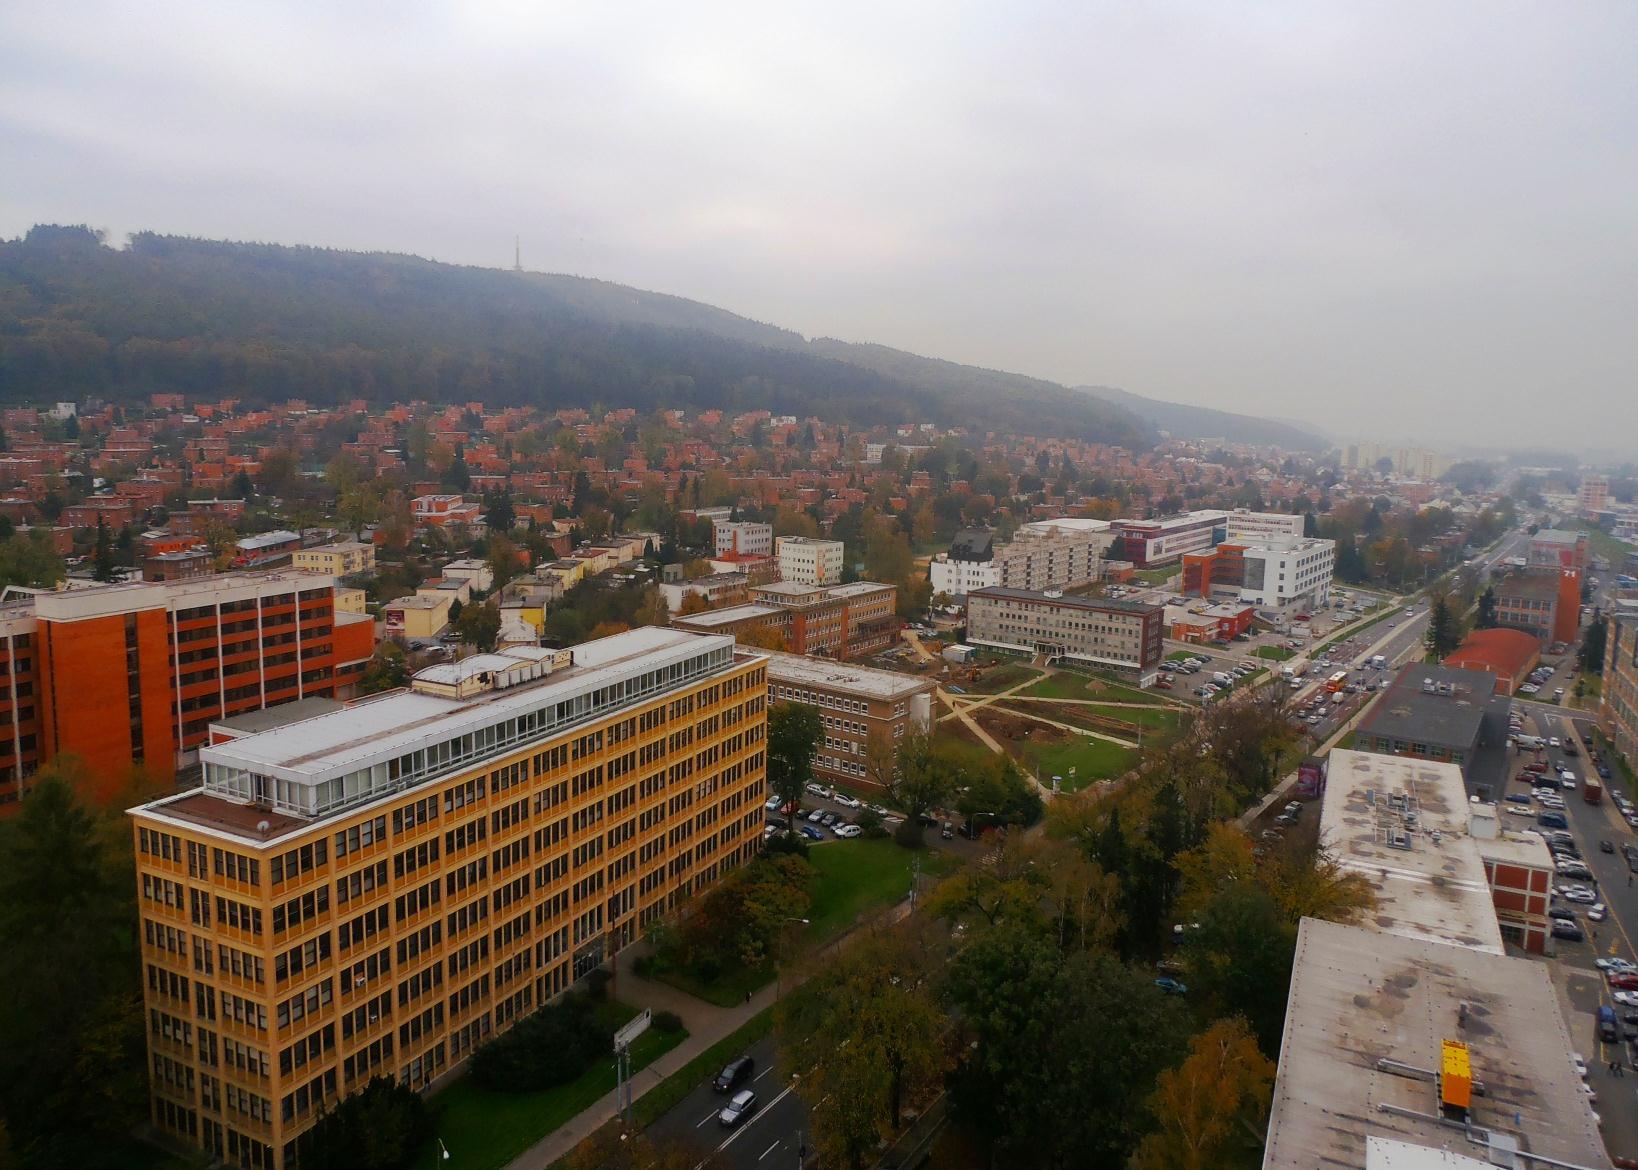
(318, 767)
(1364, 1030)
(865, 681)
(1403, 824)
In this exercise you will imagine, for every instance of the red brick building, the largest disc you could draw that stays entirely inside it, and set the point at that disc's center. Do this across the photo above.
(125, 675)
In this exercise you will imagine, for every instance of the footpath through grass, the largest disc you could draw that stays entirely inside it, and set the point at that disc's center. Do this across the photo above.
(1277, 653)
(489, 1129)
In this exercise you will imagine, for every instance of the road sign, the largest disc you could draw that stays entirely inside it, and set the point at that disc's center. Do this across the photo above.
(633, 1029)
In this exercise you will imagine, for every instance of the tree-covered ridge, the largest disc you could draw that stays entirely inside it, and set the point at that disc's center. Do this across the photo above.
(265, 322)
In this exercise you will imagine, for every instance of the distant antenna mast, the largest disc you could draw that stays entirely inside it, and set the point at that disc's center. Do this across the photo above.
(517, 253)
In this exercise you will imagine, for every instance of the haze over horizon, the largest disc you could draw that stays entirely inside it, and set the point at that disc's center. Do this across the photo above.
(1397, 222)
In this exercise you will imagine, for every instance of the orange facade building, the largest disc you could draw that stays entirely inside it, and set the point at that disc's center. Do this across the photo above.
(377, 891)
(133, 675)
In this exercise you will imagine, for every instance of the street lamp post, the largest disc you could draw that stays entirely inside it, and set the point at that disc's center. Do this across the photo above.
(779, 970)
(443, 1151)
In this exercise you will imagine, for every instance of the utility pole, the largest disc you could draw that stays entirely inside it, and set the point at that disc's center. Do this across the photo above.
(517, 253)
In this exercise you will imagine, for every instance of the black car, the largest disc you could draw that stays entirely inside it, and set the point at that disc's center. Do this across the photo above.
(1563, 913)
(1606, 847)
(734, 1072)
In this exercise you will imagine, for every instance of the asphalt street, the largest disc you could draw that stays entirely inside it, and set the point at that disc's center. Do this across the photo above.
(768, 1140)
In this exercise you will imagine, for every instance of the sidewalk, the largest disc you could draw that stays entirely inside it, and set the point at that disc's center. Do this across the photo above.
(706, 1023)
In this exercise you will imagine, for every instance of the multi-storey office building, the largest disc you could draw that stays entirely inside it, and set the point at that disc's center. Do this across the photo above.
(1125, 635)
(1542, 600)
(135, 674)
(378, 890)
(1244, 526)
(1147, 543)
(742, 536)
(854, 704)
(809, 560)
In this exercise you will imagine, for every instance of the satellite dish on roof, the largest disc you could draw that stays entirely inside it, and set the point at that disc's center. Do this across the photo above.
(263, 826)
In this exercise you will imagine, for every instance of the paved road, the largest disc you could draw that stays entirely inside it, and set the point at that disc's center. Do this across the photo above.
(767, 1141)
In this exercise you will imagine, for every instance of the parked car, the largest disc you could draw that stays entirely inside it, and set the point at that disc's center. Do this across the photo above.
(740, 1106)
(847, 801)
(1171, 986)
(1568, 930)
(847, 829)
(734, 1073)
(811, 833)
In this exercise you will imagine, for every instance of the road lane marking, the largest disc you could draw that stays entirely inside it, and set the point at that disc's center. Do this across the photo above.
(708, 1117)
(733, 1137)
(762, 1074)
(770, 1149)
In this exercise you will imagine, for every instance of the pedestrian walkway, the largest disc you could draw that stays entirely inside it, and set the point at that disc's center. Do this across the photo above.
(706, 1024)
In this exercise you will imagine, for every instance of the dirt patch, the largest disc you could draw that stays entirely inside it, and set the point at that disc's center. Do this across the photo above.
(1016, 729)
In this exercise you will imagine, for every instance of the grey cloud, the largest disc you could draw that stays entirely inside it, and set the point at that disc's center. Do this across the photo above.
(1398, 220)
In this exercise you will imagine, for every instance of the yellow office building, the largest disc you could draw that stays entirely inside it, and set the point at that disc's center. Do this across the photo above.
(378, 890)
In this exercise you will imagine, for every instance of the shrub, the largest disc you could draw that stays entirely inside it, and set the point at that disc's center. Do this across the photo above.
(668, 1022)
(550, 1047)
(381, 1127)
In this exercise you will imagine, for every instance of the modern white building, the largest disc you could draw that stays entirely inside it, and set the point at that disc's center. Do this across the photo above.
(1148, 543)
(1245, 526)
(809, 560)
(742, 536)
(1282, 574)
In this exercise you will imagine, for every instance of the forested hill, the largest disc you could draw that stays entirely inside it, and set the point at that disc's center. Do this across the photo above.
(265, 323)
(1202, 422)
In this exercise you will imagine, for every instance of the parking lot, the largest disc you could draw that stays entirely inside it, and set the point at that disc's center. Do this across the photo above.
(1594, 904)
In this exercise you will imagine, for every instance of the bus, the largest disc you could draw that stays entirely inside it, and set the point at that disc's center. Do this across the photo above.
(1337, 681)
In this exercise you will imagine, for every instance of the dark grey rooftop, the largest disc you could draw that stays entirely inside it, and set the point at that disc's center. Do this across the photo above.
(1453, 719)
(1069, 600)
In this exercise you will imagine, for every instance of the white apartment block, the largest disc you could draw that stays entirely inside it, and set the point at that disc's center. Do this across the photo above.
(808, 560)
(1248, 527)
(1283, 574)
(742, 536)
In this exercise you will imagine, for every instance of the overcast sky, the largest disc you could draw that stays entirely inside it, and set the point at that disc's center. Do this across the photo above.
(1395, 220)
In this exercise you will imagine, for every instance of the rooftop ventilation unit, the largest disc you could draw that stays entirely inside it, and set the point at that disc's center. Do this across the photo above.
(1399, 839)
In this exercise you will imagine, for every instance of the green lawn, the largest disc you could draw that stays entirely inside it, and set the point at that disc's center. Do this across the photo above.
(1179, 655)
(860, 875)
(1092, 759)
(485, 1130)
(1068, 684)
(1165, 718)
(1277, 653)
(725, 990)
(1156, 576)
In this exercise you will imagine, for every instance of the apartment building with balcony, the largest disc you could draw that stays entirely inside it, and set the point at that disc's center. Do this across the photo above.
(379, 890)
